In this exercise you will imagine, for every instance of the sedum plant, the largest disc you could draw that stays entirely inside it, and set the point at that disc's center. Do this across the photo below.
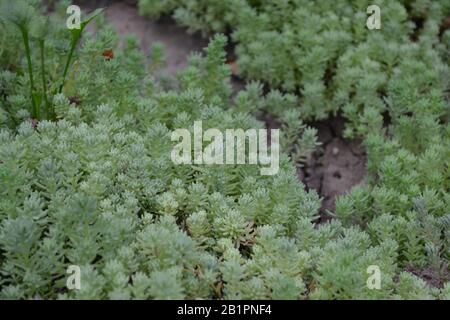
(322, 52)
(392, 87)
(96, 188)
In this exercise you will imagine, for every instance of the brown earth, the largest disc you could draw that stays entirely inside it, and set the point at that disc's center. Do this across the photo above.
(337, 165)
(126, 19)
(435, 278)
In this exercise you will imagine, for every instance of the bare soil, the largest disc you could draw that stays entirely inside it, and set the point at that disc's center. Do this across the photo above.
(337, 165)
(334, 169)
(434, 278)
(125, 17)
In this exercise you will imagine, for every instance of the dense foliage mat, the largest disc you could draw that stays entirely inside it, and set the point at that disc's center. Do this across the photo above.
(391, 85)
(86, 175)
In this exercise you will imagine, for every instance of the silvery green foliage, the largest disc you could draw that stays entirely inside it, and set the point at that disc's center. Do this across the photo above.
(101, 193)
(323, 51)
(97, 188)
(205, 16)
(407, 196)
(108, 198)
(392, 87)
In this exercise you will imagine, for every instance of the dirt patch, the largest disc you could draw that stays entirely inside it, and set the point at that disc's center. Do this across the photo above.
(179, 44)
(125, 17)
(337, 166)
(434, 278)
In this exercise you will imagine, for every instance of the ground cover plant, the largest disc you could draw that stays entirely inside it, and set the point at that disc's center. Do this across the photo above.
(86, 177)
(324, 60)
(321, 51)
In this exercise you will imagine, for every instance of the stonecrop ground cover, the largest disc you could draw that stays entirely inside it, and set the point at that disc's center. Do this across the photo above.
(87, 180)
